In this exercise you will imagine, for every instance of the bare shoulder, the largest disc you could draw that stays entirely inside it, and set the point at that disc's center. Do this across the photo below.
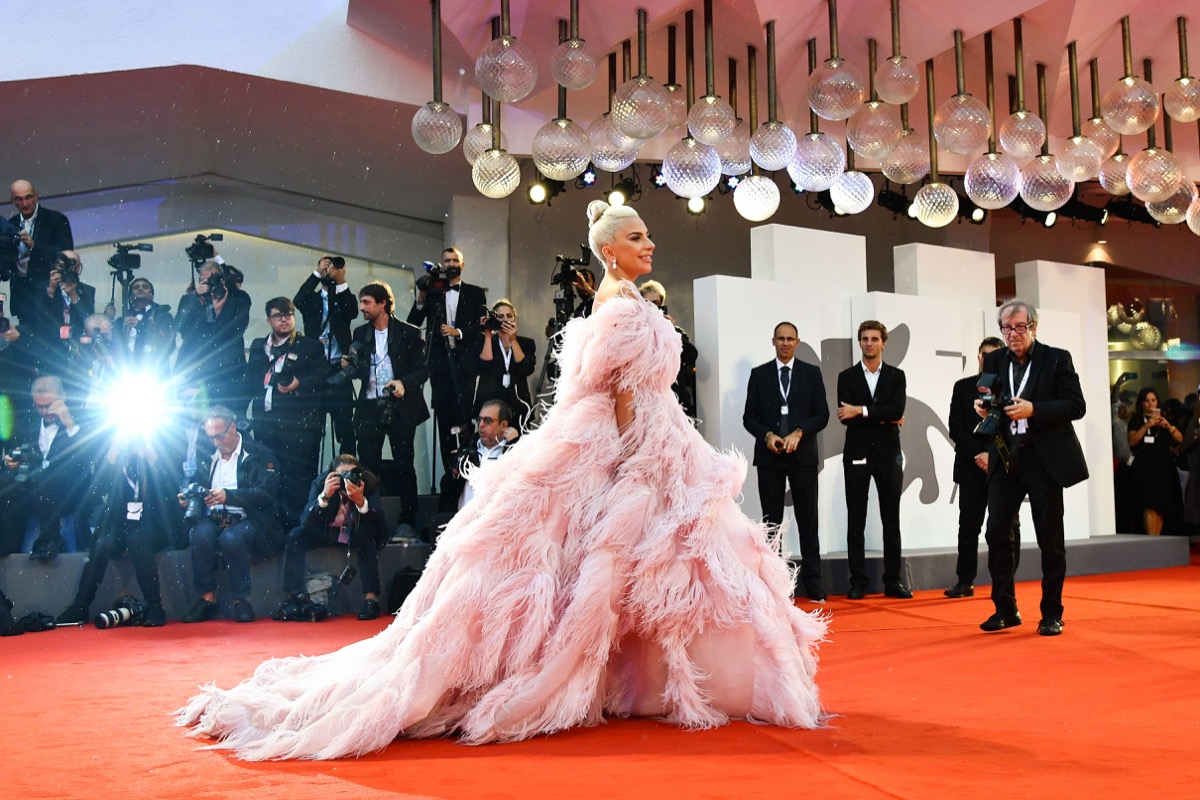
(614, 287)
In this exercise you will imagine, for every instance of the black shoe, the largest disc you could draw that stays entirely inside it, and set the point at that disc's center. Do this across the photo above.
(1050, 627)
(898, 590)
(960, 589)
(998, 622)
(815, 596)
(242, 612)
(74, 615)
(44, 550)
(202, 611)
(856, 594)
(154, 616)
(370, 609)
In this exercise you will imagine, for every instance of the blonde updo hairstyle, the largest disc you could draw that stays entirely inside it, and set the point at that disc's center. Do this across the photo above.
(603, 223)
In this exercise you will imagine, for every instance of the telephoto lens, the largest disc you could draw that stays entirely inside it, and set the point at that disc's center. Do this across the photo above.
(113, 618)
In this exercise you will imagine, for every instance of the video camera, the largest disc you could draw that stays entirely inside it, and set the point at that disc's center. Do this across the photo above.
(564, 278)
(201, 248)
(436, 279)
(125, 259)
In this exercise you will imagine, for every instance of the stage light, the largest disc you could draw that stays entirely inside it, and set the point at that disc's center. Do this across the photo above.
(893, 201)
(1051, 218)
(1046, 218)
(978, 215)
(625, 191)
(825, 200)
(796, 188)
(588, 177)
(544, 191)
(1079, 210)
(656, 176)
(1130, 211)
(967, 210)
(696, 205)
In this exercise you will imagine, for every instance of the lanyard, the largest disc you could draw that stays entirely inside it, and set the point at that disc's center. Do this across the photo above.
(783, 392)
(1024, 378)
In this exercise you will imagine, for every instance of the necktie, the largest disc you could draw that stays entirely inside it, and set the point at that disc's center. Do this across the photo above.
(785, 378)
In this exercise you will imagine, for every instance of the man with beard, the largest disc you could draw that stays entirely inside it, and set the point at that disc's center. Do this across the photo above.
(149, 329)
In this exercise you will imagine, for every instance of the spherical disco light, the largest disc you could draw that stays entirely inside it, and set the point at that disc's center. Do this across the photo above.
(641, 108)
(1182, 100)
(1022, 134)
(962, 124)
(836, 89)
(874, 130)
(1146, 336)
(818, 161)
(1193, 217)
(936, 205)
(909, 161)
(1112, 174)
(1080, 159)
(1130, 106)
(606, 154)
(711, 120)
(479, 139)
(691, 168)
(436, 128)
(852, 192)
(679, 109)
(1043, 187)
(993, 180)
(773, 145)
(756, 198)
(1174, 209)
(1098, 131)
(496, 174)
(1153, 175)
(561, 150)
(897, 80)
(735, 150)
(506, 70)
(574, 65)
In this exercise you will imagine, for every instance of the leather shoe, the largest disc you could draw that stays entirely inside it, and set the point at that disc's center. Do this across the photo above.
(74, 615)
(1050, 627)
(998, 622)
(370, 609)
(898, 590)
(242, 612)
(856, 594)
(44, 550)
(960, 589)
(202, 611)
(154, 616)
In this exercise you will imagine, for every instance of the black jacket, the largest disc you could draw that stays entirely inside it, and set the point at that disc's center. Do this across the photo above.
(343, 309)
(472, 305)
(258, 483)
(316, 518)
(217, 345)
(808, 410)
(491, 376)
(878, 430)
(963, 420)
(306, 359)
(51, 235)
(1053, 388)
(407, 354)
(155, 340)
(158, 485)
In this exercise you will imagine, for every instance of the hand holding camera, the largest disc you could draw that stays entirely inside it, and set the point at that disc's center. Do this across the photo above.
(394, 389)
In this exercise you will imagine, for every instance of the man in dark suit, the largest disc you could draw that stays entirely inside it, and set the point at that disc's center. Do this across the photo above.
(212, 318)
(451, 316)
(391, 402)
(44, 234)
(970, 473)
(871, 397)
(785, 410)
(327, 307)
(62, 306)
(1043, 457)
(147, 328)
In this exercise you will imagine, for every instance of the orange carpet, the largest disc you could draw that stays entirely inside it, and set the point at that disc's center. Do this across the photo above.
(928, 707)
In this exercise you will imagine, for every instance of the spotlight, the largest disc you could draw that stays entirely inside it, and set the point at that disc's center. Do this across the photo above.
(1077, 209)
(1046, 218)
(732, 182)
(1051, 218)
(588, 177)
(656, 176)
(978, 215)
(624, 191)
(796, 188)
(696, 205)
(825, 200)
(895, 202)
(1130, 211)
(136, 404)
(545, 190)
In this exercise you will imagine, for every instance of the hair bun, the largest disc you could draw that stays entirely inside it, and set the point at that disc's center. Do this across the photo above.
(595, 211)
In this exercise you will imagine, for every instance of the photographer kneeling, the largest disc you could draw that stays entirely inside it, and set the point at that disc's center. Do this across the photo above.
(505, 363)
(344, 509)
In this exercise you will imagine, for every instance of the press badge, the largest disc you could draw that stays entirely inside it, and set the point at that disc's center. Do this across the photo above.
(133, 511)
(1019, 426)
(783, 410)
(1148, 438)
(862, 462)
(507, 380)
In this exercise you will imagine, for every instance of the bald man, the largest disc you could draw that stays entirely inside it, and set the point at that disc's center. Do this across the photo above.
(44, 234)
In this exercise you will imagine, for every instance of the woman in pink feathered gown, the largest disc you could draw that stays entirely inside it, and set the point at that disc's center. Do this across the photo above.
(602, 568)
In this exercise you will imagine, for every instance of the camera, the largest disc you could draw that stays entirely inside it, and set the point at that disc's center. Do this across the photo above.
(353, 475)
(564, 278)
(194, 494)
(492, 322)
(128, 610)
(29, 461)
(994, 400)
(353, 362)
(125, 259)
(65, 266)
(389, 407)
(347, 575)
(201, 249)
(436, 278)
(336, 262)
(218, 287)
(284, 377)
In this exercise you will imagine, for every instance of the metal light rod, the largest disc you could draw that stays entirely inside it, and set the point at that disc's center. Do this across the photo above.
(929, 94)
(1019, 53)
(771, 96)
(1073, 67)
(989, 77)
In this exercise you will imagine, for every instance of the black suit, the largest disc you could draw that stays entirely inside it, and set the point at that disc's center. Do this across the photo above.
(451, 370)
(52, 316)
(327, 318)
(152, 340)
(51, 235)
(872, 452)
(212, 347)
(1043, 461)
(971, 480)
(492, 373)
(405, 351)
(367, 534)
(808, 412)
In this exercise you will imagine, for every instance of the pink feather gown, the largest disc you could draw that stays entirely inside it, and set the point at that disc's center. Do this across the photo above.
(594, 573)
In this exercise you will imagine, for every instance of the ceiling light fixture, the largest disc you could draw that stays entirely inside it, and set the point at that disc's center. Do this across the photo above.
(545, 190)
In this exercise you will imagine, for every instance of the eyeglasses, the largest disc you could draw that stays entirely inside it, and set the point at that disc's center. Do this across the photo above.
(216, 437)
(1019, 328)
(486, 420)
(282, 315)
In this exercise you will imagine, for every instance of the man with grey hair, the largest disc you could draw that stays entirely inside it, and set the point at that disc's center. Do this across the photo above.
(43, 233)
(1034, 452)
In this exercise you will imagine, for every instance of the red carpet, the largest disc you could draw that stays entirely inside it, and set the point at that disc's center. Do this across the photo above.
(929, 708)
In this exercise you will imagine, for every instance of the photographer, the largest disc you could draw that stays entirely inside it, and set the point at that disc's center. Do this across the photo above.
(285, 376)
(212, 321)
(450, 310)
(494, 436)
(93, 361)
(391, 402)
(505, 362)
(148, 330)
(140, 516)
(344, 509)
(585, 287)
(61, 309)
(230, 504)
(684, 386)
(50, 477)
(43, 233)
(327, 307)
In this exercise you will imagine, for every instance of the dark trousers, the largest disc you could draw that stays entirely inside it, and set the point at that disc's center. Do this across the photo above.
(450, 395)
(888, 473)
(294, 439)
(338, 402)
(371, 432)
(112, 541)
(301, 539)
(972, 506)
(773, 478)
(236, 544)
(1005, 493)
